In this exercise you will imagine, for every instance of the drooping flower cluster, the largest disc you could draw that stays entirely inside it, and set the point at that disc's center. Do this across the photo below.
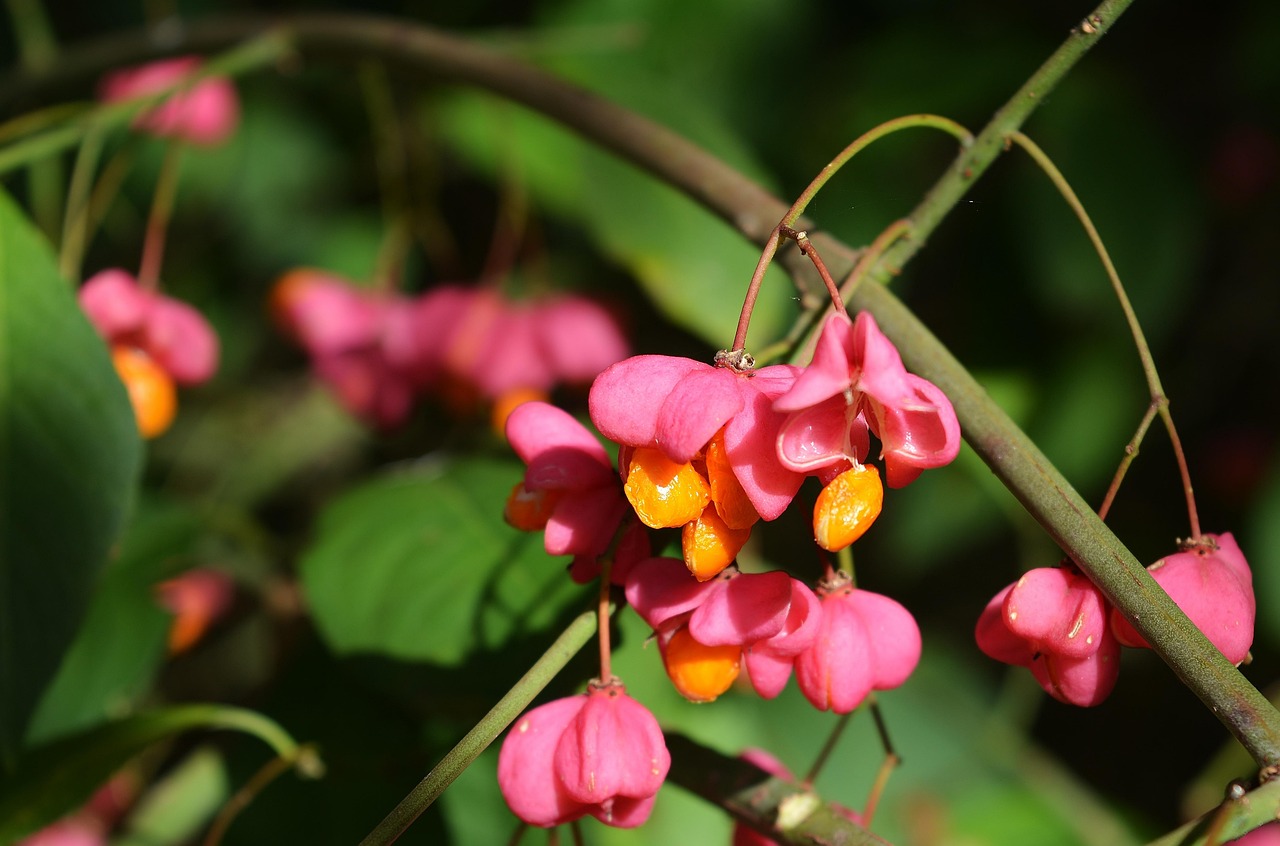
(379, 351)
(1057, 623)
(204, 112)
(156, 341)
(599, 753)
(713, 449)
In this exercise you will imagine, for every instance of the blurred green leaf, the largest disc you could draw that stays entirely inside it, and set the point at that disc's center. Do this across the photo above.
(420, 566)
(69, 456)
(694, 266)
(175, 809)
(58, 777)
(113, 659)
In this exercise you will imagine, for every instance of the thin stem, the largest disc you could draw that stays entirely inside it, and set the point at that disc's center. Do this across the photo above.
(828, 746)
(268, 773)
(1158, 397)
(575, 831)
(518, 834)
(1130, 453)
(845, 557)
(602, 621)
(793, 214)
(900, 228)
(808, 250)
(510, 706)
(75, 224)
(753, 289)
(161, 213)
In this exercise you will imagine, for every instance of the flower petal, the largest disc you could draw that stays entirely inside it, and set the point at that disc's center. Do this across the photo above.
(526, 773)
(695, 409)
(661, 589)
(828, 374)
(625, 399)
(584, 522)
(750, 442)
(561, 453)
(1057, 610)
(745, 608)
(612, 747)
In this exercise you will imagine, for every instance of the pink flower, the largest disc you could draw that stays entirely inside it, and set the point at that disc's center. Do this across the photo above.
(172, 333)
(197, 598)
(1053, 621)
(678, 405)
(1212, 584)
(865, 642)
(601, 753)
(569, 488)
(856, 383)
(76, 830)
(205, 112)
(769, 661)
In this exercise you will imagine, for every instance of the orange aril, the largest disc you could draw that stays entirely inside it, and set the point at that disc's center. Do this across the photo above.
(709, 544)
(529, 510)
(731, 501)
(151, 391)
(700, 673)
(847, 507)
(663, 493)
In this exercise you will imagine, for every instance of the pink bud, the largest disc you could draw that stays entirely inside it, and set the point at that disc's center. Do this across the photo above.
(204, 113)
(114, 303)
(1213, 586)
(866, 642)
(526, 773)
(181, 341)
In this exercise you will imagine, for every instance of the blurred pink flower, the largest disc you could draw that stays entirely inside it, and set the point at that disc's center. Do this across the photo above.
(206, 112)
(196, 598)
(1053, 621)
(600, 753)
(857, 384)
(172, 333)
(1212, 584)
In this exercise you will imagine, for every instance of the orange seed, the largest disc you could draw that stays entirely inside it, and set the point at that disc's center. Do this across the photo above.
(151, 391)
(709, 545)
(700, 673)
(847, 507)
(529, 510)
(731, 501)
(663, 493)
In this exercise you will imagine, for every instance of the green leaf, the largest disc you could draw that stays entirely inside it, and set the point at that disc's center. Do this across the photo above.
(113, 659)
(54, 779)
(69, 456)
(420, 566)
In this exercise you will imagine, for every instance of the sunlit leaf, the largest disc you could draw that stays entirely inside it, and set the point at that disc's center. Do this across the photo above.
(419, 565)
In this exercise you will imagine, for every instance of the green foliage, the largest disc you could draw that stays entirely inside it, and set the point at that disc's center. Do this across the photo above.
(69, 455)
(418, 565)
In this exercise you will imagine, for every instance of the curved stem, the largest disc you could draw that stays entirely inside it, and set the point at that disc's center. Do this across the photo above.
(1159, 400)
(900, 228)
(571, 640)
(75, 224)
(161, 213)
(793, 214)
(828, 746)
(1130, 453)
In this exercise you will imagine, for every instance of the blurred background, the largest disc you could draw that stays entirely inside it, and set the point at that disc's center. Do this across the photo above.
(1168, 131)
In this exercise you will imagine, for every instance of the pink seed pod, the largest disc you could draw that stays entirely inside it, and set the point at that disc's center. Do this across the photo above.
(205, 113)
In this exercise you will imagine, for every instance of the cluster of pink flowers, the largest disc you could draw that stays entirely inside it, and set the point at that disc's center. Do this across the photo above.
(156, 341)
(1057, 623)
(712, 450)
(204, 112)
(379, 351)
